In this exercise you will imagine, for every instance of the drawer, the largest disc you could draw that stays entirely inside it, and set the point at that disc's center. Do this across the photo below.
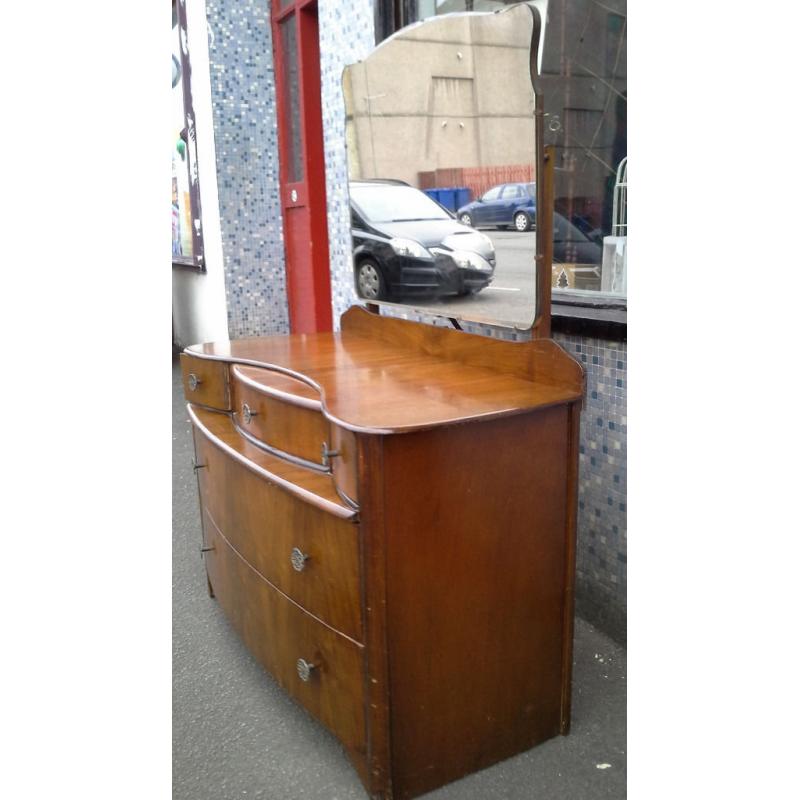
(281, 412)
(306, 552)
(206, 382)
(279, 634)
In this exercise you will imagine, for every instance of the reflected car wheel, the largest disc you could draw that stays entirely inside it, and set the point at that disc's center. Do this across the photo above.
(521, 221)
(465, 219)
(369, 281)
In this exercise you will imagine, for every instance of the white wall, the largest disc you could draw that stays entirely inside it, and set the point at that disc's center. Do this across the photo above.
(199, 308)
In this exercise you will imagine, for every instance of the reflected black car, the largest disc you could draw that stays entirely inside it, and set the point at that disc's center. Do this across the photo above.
(507, 205)
(406, 244)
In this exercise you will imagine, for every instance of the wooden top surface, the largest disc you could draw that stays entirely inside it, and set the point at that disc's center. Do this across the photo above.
(383, 375)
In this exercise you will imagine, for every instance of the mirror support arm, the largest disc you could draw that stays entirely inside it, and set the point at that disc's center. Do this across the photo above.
(544, 239)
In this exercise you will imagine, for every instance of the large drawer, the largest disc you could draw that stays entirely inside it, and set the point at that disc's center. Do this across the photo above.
(308, 553)
(206, 382)
(280, 634)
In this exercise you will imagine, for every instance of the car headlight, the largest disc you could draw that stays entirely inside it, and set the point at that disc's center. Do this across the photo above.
(466, 259)
(408, 247)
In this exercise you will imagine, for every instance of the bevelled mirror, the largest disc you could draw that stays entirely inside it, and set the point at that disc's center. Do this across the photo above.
(443, 143)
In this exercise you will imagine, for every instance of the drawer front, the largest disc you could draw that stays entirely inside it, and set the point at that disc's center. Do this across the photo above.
(310, 555)
(345, 465)
(292, 429)
(206, 382)
(279, 634)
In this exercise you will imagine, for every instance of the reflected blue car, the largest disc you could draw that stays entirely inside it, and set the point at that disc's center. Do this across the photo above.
(507, 205)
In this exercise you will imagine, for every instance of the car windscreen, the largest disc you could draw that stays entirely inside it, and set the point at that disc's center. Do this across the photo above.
(382, 203)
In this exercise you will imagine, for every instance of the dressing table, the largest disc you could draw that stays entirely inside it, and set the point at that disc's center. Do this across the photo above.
(388, 521)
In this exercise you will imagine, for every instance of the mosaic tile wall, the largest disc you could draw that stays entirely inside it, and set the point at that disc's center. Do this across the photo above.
(602, 498)
(246, 139)
(347, 34)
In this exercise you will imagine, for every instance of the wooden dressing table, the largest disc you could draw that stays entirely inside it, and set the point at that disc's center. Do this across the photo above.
(389, 523)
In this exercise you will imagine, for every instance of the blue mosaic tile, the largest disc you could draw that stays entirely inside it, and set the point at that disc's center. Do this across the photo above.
(602, 537)
(246, 141)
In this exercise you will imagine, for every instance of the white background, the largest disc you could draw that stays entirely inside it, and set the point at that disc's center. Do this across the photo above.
(86, 439)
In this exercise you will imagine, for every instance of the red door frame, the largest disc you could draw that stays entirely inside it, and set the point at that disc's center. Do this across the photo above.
(304, 201)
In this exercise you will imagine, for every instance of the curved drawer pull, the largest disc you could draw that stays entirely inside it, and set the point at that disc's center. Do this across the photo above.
(248, 413)
(327, 455)
(304, 669)
(194, 381)
(299, 559)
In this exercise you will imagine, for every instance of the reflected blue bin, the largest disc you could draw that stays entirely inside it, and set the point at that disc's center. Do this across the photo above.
(463, 196)
(451, 197)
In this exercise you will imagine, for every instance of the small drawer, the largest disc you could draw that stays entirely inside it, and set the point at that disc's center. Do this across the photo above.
(321, 669)
(307, 553)
(206, 382)
(280, 412)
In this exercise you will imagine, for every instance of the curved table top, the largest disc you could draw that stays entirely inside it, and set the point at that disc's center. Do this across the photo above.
(383, 375)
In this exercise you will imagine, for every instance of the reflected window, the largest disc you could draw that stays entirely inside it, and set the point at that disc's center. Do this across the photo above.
(584, 89)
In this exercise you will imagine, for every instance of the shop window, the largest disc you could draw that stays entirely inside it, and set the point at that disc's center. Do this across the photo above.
(584, 89)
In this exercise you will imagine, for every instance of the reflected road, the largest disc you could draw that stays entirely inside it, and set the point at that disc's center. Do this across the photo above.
(510, 297)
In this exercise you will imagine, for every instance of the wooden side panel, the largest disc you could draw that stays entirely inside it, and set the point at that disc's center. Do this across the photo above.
(345, 465)
(377, 687)
(278, 633)
(265, 524)
(205, 382)
(475, 521)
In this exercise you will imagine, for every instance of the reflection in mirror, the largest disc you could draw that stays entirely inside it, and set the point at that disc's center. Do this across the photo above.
(442, 153)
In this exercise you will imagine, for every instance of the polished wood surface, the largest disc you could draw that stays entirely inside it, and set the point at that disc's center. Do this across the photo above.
(383, 375)
(296, 429)
(265, 524)
(441, 541)
(278, 632)
(210, 385)
(475, 586)
(313, 487)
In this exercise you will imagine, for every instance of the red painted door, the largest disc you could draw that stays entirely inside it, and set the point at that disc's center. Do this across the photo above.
(295, 42)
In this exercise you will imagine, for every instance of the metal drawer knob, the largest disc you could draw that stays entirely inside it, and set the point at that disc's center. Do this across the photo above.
(194, 381)
(299, 559)
(304, 669)
(248, 414)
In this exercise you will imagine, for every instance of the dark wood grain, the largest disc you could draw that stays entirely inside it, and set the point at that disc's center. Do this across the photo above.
(278, 632)
(571, 539)
(264, 523)
(377, 687)
(212, 389)
(475, 522)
